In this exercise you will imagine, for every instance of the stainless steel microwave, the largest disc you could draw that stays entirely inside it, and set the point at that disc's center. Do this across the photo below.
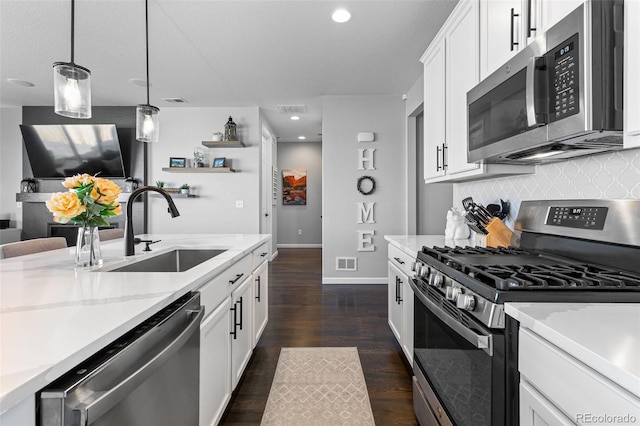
(560, 97)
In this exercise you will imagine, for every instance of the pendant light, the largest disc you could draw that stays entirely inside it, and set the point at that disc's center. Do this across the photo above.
(147, 123)
(72, 84)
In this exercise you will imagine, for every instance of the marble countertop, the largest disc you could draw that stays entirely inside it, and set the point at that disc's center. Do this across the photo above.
(604, 336)
(412, 244)
(53, 316)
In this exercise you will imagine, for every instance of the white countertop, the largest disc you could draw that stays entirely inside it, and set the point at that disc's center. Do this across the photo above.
(52, 317)
(604, 336)
(412, 244)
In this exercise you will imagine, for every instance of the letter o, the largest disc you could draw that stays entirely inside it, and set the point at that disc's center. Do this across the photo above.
(366, 178)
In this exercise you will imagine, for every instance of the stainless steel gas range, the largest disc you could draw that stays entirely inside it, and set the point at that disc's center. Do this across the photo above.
(465, 347)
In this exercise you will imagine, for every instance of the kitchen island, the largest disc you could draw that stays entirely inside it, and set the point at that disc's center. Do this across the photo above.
(53, 316)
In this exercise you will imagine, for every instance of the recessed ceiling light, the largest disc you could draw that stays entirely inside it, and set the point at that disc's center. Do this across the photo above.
(139, 82)
(341, 16)
(23, 83)
(302, 137)
(295, 117)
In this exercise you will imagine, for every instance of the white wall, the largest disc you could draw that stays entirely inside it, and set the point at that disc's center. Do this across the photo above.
(214, 210)
(343, 118)
(306, 155)
(613, 175)
(10, 164)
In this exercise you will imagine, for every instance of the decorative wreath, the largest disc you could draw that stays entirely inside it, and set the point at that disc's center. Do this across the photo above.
(373, 185)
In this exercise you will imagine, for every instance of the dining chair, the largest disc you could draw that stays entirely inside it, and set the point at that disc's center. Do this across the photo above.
(111, 234)
(36, 245)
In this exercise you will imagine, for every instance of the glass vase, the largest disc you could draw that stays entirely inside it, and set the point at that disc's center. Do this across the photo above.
(88, 251)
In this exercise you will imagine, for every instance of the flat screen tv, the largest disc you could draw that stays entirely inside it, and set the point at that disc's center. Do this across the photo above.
(63, 150)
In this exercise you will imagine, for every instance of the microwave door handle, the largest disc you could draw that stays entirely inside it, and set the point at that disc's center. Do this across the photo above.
(530, 93)
(479, 341)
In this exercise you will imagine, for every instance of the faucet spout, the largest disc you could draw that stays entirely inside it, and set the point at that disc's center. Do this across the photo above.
(129, 245)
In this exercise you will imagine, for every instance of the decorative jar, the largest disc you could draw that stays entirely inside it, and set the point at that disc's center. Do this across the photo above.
(230, 130)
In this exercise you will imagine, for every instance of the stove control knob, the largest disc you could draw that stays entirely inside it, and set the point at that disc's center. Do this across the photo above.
(466, 302)
(452, 293)
(436, 279)
(414, 266)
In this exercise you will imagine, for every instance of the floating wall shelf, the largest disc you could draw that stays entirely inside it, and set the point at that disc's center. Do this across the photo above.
(223, 144)
(41, 197)
(198, 170)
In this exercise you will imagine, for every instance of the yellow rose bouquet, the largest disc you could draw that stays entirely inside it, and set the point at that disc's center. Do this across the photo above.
(89, 201)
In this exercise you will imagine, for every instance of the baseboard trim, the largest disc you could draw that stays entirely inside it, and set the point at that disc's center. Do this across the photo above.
(273, 256)
(299, 245)
(355, 280)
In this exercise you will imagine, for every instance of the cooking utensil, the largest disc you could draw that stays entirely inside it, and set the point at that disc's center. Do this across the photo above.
(467, 203)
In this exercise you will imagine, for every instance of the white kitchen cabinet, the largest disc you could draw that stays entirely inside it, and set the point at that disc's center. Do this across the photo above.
(241, 324)
(451, 69)
(507, 26)
(631, 73)
(567, 389)
(260, 300)
(21, 414)
(400, 300)
(215, 364)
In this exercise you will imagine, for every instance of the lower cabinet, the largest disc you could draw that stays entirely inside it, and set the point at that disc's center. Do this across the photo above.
(215, 364)
(260, 301)
(241, 325)
(400, 304)
(535, 410)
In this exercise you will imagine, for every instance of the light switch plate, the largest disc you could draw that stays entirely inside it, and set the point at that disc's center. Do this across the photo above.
(239, 204)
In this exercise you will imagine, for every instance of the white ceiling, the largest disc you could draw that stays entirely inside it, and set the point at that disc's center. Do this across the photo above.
(220, 53)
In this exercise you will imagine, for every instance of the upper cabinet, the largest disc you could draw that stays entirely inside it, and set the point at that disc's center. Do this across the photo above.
(631, 72)
(451, 69)
(507, 26)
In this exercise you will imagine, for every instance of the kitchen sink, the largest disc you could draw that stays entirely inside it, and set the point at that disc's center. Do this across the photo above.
(178, 260)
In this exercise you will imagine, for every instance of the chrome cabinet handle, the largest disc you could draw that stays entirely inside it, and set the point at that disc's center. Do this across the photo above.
(110, 398)
(513, 16)
(238, 276)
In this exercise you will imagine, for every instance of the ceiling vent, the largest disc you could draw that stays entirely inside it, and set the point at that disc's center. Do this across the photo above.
(174, 100)
(292, 109)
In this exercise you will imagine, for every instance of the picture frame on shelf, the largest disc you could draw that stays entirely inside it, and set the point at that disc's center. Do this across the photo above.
(177, 162)
(219, 162)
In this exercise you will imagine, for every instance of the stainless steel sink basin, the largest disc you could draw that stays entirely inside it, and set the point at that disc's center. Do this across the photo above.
(178, 260)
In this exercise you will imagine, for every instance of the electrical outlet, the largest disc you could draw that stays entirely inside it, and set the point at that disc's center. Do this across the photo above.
(299, 231)
(239, 204)
(18, 204)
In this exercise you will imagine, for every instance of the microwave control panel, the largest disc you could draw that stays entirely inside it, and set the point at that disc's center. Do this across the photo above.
(578, 217)
(564, 77)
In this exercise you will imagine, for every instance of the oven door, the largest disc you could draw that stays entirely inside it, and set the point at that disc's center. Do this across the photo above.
(459, 365)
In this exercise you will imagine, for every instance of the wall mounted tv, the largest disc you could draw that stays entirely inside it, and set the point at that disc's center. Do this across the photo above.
(63, 150)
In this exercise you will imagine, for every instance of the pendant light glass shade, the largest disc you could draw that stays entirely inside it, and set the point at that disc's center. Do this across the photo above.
(71, 90)
(147, 123)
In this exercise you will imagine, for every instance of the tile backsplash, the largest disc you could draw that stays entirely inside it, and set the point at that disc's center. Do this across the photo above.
(613, 175)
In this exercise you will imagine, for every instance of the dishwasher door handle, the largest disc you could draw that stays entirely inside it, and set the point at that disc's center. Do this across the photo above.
(111, 397)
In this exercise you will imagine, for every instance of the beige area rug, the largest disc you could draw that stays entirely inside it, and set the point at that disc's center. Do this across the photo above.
(318, 386)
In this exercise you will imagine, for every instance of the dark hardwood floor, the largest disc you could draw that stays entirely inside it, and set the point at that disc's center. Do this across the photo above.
(303, 312)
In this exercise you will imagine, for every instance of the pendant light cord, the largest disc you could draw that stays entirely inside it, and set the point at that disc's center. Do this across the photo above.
(146, 20)
(73, 19)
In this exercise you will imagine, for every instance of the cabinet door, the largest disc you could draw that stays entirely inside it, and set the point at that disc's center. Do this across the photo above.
(462, 64)
(498, 29)
(241, 322)
(215, 364)
(551, 12)
(407, 319)
(631, 73)
(260, 301)
(395, 301)
(536, 410)
(434, 110)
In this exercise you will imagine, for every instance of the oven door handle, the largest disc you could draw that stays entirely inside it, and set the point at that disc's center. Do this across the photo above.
(480, 341)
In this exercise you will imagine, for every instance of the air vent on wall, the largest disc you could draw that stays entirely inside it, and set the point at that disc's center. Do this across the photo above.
(174, 100)
(292, 109)
(346, 264)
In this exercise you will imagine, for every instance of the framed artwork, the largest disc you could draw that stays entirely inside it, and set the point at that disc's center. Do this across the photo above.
(177, 162)
(219, 162)
(294, 187)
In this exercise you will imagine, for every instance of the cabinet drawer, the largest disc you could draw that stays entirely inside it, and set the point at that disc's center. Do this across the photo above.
(216, 290)
(260, 255)
(401, 259)
(570, 385)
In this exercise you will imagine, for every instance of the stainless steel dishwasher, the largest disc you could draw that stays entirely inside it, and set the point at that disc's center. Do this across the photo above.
(149, 376)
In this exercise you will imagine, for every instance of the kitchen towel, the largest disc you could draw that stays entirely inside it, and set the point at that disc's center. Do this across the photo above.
(318, 386)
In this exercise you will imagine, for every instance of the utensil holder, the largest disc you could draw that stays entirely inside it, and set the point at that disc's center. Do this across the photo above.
(499, 234)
